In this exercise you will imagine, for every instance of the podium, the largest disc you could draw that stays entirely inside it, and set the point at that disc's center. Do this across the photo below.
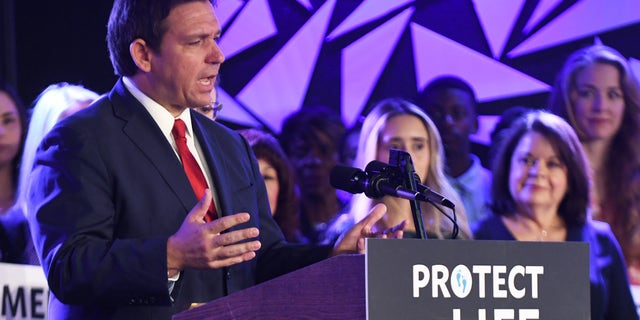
(330, 289)
(425, 279)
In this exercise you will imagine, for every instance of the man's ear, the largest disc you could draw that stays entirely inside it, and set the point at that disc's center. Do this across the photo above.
(141, 54)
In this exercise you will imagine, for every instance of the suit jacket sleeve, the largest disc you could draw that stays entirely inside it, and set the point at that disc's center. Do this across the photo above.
(73, 218)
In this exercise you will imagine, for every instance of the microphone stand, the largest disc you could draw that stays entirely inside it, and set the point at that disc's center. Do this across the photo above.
(402, 160)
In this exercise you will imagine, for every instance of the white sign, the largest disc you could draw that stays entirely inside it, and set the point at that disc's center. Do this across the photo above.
(25, 293)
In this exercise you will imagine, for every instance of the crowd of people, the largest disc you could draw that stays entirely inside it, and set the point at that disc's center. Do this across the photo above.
(138, 206)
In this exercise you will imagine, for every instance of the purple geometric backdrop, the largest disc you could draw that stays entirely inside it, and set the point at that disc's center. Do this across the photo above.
(347, 54)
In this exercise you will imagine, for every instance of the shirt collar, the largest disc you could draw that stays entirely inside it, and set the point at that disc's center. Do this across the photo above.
(160, 115)
(466, 179)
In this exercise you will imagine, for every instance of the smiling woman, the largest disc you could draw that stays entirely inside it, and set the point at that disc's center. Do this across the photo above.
(540, 192)
(598, 95)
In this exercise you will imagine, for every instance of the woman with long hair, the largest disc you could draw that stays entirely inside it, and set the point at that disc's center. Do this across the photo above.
(598, 95)
(399, 124)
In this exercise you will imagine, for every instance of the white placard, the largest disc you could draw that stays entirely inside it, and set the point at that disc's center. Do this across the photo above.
(25, 293)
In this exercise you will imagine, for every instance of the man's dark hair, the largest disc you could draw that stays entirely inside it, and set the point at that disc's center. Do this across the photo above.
(133, 19)
(307, 122)
(447, 82)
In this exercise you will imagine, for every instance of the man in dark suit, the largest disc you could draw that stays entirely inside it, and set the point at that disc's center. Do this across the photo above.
(115, 220)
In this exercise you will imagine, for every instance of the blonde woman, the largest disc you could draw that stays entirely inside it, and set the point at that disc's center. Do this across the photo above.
(399, 124)
(55, 103)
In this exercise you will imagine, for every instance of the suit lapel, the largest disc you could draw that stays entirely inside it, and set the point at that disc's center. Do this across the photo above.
(143, 131)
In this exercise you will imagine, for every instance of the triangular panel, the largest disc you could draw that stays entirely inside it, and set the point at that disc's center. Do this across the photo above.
(368, 11)
(233, 112)
(541, 11)
(306, 3)
(361, 69)
(253, 25)
(486, 124)
(280, 87)
(226, 9)
(492, 80)
(582, 19)
(497, 18)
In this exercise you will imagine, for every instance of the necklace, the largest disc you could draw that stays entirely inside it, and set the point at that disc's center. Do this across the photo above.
(543, 235)
(524, 228)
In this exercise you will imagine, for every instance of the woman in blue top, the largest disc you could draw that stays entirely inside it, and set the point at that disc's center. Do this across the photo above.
(540, 192)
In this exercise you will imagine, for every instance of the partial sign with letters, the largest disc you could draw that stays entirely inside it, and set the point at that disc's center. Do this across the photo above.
(483, 280)
(25, 293)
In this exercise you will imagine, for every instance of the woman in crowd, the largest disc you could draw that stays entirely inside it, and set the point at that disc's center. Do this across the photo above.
(279, 180)
(540, 192)
(13, 127)
(598, 95)
(398, 124)
(55, 103)
(14, 230)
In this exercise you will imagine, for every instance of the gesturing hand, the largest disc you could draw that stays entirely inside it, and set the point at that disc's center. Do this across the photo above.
(352, 241)
(204, 245)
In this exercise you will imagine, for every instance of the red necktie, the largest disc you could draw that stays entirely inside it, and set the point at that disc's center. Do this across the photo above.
(191, 167)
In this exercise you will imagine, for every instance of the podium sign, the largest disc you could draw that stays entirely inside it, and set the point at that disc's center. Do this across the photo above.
(483, 280)
(423, 279)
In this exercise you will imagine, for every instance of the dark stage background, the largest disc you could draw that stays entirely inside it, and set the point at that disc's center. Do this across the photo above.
(346, 54)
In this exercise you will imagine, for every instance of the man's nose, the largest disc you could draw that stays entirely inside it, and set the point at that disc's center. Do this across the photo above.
(216, 56)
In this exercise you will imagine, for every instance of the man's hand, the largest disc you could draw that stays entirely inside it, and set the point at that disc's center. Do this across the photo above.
(352, 241)
(202, 245)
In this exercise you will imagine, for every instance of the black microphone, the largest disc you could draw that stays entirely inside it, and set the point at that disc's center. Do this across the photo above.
(374, 185)
(434, 197)
(426, 194)
(379, 180)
